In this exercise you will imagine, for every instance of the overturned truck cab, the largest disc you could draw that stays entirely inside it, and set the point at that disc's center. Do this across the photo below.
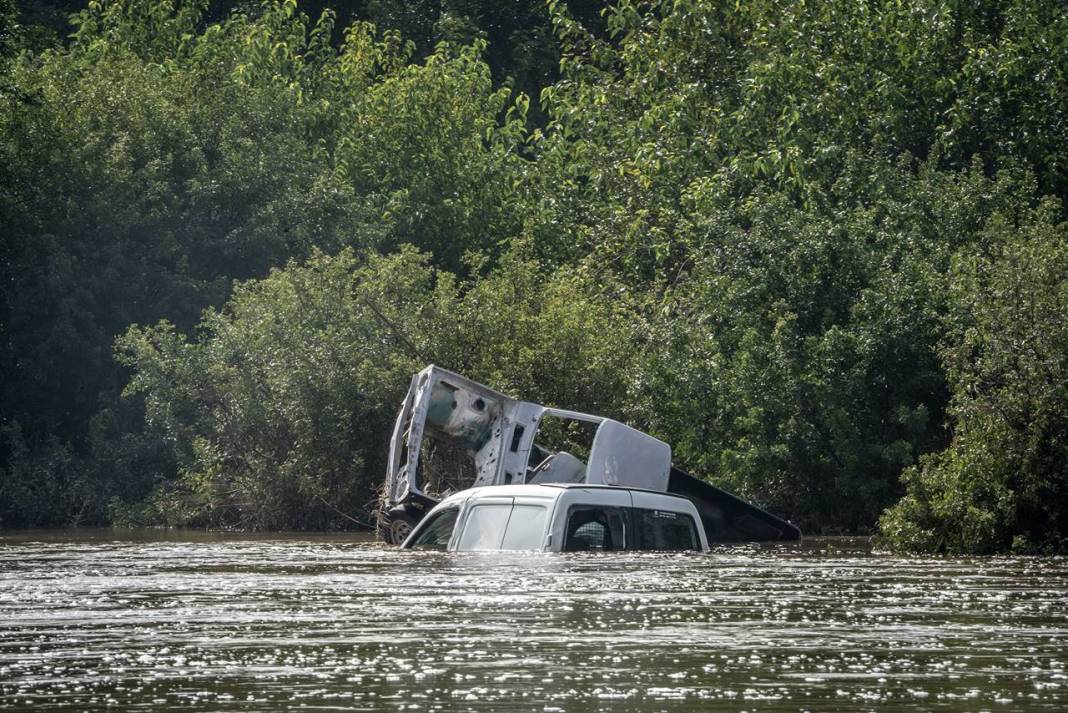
(453, 433)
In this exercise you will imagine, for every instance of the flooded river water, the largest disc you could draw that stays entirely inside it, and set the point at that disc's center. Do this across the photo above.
(91, 620)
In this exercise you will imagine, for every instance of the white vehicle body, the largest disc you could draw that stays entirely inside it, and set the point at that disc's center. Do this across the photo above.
(560, 517)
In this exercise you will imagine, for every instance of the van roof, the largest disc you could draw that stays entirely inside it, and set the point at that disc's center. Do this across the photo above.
(545, 490)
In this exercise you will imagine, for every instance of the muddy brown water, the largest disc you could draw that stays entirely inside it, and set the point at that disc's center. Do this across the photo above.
(95, 620)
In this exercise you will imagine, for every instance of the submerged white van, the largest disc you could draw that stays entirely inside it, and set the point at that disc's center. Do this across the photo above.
(560, 517)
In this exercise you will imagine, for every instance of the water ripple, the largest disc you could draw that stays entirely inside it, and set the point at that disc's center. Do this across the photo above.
(202, 622)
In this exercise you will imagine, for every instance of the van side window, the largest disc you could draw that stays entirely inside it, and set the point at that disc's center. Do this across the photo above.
(436, 533)
(663, 530)
(590, 527)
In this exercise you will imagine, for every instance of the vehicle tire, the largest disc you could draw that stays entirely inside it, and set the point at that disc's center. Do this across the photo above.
(397, 526)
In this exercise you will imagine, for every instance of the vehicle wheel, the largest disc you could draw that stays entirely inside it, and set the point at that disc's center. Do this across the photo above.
(398, 526)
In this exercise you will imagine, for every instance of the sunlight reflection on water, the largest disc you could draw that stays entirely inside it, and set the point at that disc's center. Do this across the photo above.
(209, 622)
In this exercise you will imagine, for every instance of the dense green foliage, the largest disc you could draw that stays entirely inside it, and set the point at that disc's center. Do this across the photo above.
(145, 167)
(1001, 484)
(819, 248)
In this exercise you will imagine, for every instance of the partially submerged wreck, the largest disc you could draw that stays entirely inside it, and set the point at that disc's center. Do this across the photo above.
(453, 433)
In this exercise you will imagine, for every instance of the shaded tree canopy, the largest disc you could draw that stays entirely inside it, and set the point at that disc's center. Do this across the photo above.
(818, 248)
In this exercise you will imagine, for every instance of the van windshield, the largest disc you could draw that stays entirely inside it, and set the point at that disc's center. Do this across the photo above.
(503, 526)
(437, 531)
(525, 528)
(485, 527)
